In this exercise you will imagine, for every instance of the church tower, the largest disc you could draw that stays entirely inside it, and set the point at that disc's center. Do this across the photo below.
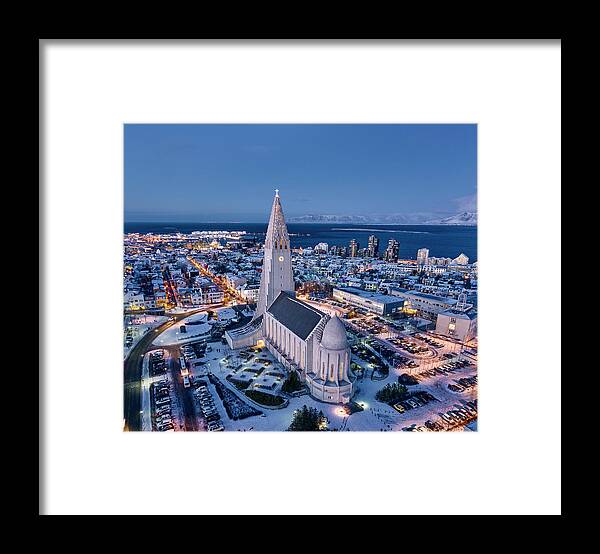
(277, 274)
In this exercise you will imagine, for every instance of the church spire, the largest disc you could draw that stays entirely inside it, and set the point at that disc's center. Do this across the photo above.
(277, 233)
(277, 274)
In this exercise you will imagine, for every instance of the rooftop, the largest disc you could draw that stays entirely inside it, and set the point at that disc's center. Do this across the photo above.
(383, 298)
(298, 317)
(425, 295)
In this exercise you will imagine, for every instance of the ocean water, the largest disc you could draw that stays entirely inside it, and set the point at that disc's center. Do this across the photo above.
(441, 240)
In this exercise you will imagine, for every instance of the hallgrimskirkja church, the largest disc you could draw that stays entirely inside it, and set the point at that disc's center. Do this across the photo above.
(301, 338)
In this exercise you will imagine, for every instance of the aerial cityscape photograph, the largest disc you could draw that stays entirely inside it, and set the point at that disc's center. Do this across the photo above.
(300, 277)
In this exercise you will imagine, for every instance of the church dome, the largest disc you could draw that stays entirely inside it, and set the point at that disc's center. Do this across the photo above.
(334, 335)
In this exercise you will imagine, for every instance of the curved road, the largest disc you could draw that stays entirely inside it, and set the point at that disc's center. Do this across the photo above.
(132, 373)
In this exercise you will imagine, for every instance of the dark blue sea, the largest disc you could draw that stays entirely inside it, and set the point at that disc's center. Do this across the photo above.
(441, 240)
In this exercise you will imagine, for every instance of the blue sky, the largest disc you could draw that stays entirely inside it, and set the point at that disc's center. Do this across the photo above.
(229, 172)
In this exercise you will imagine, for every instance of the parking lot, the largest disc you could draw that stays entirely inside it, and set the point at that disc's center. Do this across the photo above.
(463, 384)
(460, 416)
(443, 369)
(161, 394)
(207, 406)
(416, 400)
(411, 346)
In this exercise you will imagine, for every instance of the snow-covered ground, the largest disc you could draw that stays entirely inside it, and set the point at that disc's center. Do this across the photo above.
(140, 325)
(376, 416)
(247, 311)
(197, 327)
(225, 314)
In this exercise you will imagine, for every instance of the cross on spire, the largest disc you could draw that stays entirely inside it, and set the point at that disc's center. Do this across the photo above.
(276, 192)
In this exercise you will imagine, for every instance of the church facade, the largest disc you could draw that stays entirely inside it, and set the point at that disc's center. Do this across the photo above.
(299, 336)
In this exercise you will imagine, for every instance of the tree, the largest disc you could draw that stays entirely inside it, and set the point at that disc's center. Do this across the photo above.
(307, 419)
(392, 393)
(292, 382)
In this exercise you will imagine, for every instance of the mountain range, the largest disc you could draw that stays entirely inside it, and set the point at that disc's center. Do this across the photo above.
(463, 218)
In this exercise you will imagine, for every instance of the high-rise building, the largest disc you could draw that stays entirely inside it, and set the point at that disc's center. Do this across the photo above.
(392, 251)
(422, 257)
(354, 246)
(373, 247)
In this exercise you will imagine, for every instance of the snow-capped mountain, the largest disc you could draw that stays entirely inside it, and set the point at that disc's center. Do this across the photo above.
(465, 218)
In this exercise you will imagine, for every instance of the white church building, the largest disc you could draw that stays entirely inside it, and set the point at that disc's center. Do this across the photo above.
(298, 335)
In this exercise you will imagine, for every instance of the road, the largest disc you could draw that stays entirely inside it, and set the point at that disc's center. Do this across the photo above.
(218, 280)
(132, 373)
(184, 395)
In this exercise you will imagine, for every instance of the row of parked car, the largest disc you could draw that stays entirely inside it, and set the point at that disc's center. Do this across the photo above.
(446, 369)
(420, 428)
(191, 351)
(429, 340)
(162, 419)
(128, 337)
(416, 400)
(463, 384)
(409, 346)
(208, 408)
(403, 361)
(158, 365)
(369, 325)
(460, 416)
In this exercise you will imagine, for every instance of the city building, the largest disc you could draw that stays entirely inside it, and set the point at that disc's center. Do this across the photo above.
(133, 301)
(457, 324)
(353, 248)
(373, 246)
(422, 258)
(250, 293)
(424, 305)
(439, 261)
(212, 294)
(461, 259)
(299, 336)
(235, 282)
(392, 251)
(381, 304)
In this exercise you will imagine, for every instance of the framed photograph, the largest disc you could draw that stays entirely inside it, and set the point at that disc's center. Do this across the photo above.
(346, 315)
(266, 259)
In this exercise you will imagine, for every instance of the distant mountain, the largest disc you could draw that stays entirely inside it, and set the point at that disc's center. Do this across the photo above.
(465, 218)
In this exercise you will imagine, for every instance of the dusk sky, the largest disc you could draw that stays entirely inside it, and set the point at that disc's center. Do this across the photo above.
(229, 172)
